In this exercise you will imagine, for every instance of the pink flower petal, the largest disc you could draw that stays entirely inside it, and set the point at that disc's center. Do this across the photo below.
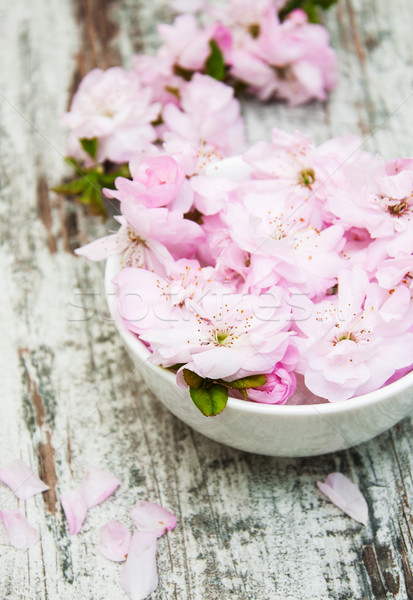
(139, 577)
(115, 540)
(345, 494)
(19, 531)
(151, 517)
(97, 485)
(21, 480)
(75, 509)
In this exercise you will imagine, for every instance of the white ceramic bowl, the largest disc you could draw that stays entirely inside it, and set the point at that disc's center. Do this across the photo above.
(273, 430)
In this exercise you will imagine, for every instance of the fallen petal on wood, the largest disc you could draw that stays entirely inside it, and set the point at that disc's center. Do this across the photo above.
(75, 509)
(115, 540)
(346, 495)
(19, 531)
(150, 517)
(97, 485)
(139, 577)
(22, 480)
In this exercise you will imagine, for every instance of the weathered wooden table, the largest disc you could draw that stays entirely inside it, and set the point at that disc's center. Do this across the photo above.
(250, 527)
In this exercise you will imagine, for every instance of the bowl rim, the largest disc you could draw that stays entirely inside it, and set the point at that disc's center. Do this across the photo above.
(248, 406)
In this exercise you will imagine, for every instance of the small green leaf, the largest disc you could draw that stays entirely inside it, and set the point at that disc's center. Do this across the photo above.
(312, 11)
(215, 64)
(72, 188)
(210, 401)
(253, 381)
(193, 380)
(90, 146)
(325, 4)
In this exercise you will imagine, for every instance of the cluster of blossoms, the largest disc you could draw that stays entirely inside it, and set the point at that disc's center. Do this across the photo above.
(292, 262)
(186, 90)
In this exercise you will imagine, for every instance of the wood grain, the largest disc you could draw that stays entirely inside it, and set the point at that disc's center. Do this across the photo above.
(250, 527)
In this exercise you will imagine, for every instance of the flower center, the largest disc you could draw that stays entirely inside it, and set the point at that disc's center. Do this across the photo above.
(221, 336)
(136, 239)
(284, 73)
(348, 335)
(254, 30)
(306, 177)
(396, 210)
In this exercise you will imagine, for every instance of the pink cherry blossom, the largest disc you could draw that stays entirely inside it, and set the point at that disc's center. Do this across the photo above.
(113, 107)
(147, 300)
(185, 42)
(21, 480)
(75, 509)
(157, 73)
(280, 386)
(97, 485)
(115, 540)
(151, 518)
(139, 577)
(216, 123)
(292, 60)
(357, 339)
(20, 533)
(345, 494)
(227, 336)
(156, 182)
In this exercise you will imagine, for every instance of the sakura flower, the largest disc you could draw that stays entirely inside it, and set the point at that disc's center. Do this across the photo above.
(147, 300)
(228, 337)
(297, 165)
(97, 485)
(285, 248)
(216, 123)
(345, 494)
(139, 577)
(185, 42)
(280, 386)
(148, 238)
(294, 60)
(380, 202)
(115, 540)
(357, 339)
(151, 518)
(75, 509)
(156, 181)
(157, 73)
(20, 533)
(113, 107)
(21, 480)
(135, 247)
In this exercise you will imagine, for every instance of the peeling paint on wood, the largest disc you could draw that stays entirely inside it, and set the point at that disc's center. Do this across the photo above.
(250, 527)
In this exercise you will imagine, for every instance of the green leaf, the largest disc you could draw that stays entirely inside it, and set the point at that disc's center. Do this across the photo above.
(90, 146)
(72, 188)
(253, 381)
(193, 380)
(210, 401)
(309, 6)
(312, 12)
(215, 64)
(325, 4)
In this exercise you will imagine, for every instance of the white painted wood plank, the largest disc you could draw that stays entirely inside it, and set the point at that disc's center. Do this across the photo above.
(249, 526)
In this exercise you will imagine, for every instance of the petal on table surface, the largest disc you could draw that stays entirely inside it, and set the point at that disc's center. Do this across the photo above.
(150, 517)
(115, 540)
(346, 495)
(19, 531)
(139, 577)
(97, 485)
(75, 509)
(22, 480)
